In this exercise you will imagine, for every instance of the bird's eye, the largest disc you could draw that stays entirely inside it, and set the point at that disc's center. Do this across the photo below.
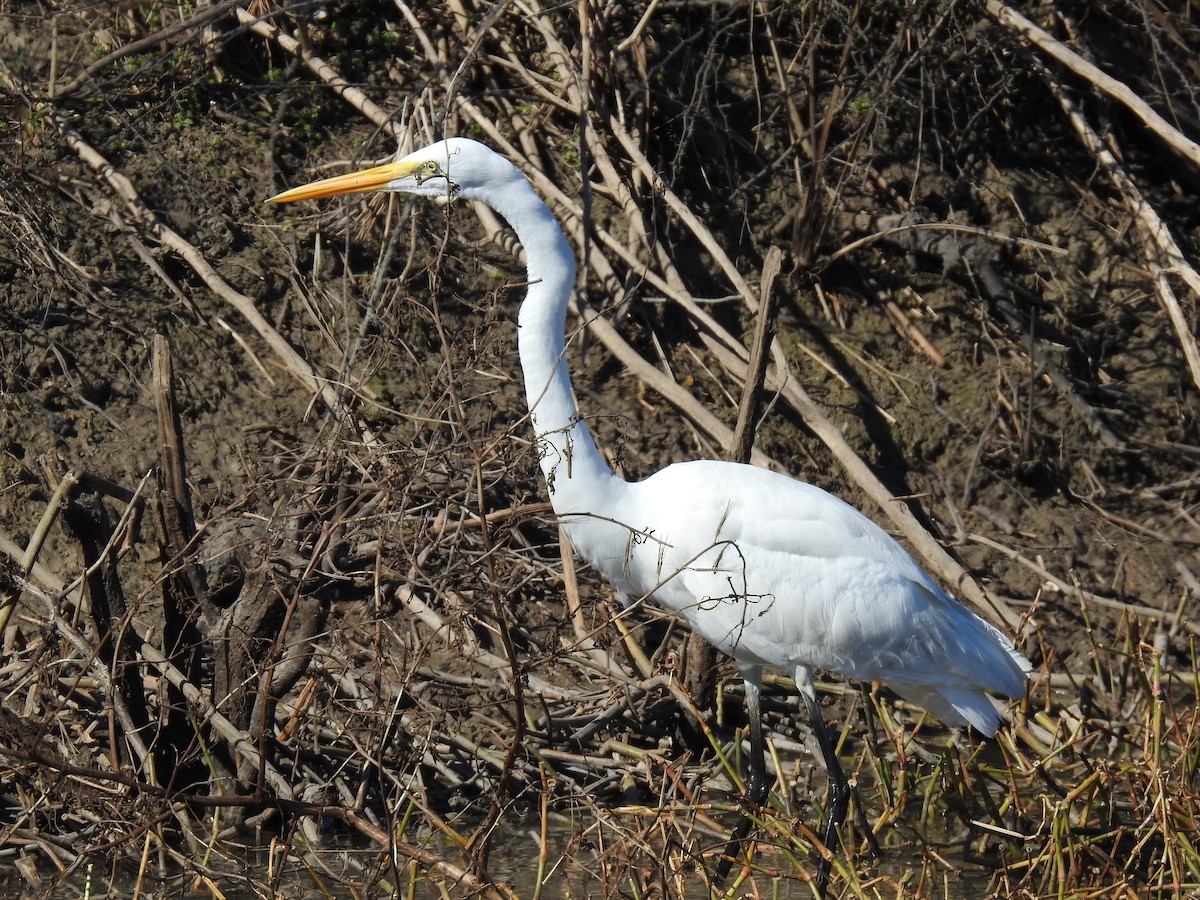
(429, 169)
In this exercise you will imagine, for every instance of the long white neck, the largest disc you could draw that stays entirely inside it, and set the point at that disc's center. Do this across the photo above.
(573, 467)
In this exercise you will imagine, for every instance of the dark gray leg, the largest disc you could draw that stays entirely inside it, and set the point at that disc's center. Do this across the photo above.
(757, 787)
(756, 784)
(839, 788)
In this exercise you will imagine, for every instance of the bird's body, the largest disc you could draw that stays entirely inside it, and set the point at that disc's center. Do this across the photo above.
(776, 572)
(770, 570)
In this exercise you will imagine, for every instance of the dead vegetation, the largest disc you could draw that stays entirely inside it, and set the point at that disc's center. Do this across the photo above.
(283, 607)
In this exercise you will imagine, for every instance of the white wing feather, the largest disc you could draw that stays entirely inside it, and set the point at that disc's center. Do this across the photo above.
(777, 572)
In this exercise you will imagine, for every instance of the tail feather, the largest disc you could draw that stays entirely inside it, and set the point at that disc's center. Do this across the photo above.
(954, 706)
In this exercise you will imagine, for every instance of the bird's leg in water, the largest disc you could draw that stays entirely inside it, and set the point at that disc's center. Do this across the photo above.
(756, 786)
(839, 787)
(839, 790)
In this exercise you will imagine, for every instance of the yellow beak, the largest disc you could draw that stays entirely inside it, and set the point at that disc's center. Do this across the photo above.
(353, 183)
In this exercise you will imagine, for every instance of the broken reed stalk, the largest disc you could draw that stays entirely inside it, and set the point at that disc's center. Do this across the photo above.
(183, 588)
(756, 368)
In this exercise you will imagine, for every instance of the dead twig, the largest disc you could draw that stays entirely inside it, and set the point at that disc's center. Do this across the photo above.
(204, 16)
(1163, 253)
(323, 70)
(1058, 51)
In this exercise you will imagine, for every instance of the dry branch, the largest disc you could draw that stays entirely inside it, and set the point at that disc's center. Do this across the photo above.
(1058, 51)
(1163, 253)
(323, 70)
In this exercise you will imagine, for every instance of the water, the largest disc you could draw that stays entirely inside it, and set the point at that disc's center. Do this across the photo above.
(619, 854)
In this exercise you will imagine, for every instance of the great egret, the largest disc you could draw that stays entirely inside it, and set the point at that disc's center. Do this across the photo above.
(770, 570)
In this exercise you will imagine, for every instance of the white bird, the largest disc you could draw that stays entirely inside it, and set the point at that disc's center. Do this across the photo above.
(768, 569)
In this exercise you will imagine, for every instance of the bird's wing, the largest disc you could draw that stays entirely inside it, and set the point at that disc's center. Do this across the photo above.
(778, 572)
(705, 506)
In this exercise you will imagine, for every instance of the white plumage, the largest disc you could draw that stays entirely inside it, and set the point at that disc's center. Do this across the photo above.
(776, 572)
(770, 570)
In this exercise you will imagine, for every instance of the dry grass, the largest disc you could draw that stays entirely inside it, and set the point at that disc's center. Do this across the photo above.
(293, 617)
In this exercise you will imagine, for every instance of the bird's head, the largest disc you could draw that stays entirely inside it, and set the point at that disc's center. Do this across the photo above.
(456, 167)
